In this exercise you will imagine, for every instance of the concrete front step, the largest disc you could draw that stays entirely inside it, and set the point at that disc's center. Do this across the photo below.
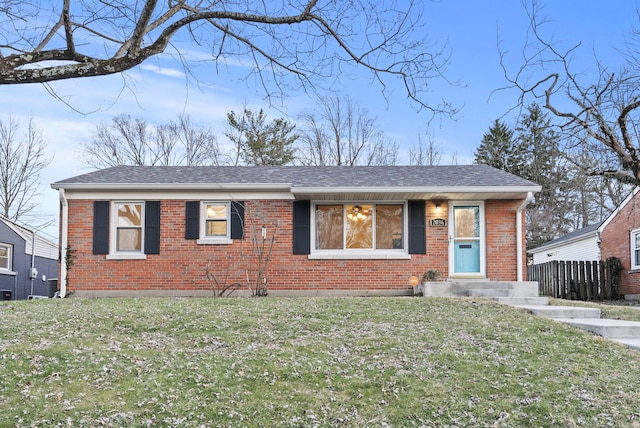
(522, 301)
(488, 293)
(480, 288)
(613, 329)
(556, 312)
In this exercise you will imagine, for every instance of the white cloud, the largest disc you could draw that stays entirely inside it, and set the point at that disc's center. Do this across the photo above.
(163, 71)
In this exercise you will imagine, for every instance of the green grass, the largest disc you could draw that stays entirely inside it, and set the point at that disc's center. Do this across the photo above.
(306, 362)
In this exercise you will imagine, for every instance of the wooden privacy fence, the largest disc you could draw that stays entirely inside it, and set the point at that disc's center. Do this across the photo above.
(577, 280)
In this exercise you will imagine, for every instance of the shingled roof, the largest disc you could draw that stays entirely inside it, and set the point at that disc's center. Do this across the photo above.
(355, 177)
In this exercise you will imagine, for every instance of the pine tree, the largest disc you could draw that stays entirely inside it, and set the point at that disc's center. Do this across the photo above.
(544, 164)
(258, 142)
(500, 150)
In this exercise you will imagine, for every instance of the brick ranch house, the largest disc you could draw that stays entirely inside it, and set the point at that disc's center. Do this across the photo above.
(152, 231)
(617, 236)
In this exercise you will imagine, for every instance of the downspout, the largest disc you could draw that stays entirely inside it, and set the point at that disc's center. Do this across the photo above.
(64, 227)
(33, 260)
(519, 232)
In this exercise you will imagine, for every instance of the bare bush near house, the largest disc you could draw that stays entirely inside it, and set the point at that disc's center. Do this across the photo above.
(250, 268)
(285, 45)
(219, 281)
(263, 237)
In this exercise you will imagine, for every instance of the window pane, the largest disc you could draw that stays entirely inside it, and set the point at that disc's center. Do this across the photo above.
(329, 227)
(217, 228)
(359, 232)
(130, 215)
(217, 211)
(637, 258)
(4, 258)
(129, 239)
(389, 227)
(467, 222)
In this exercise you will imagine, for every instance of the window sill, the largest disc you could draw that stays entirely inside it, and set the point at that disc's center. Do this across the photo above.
(126, 256)
(214, 241)
(634, 270)
(7, 272)
(345, 255)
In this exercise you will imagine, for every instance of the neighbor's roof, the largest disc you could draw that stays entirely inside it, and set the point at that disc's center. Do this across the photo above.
(576, 235)
(306, 179)
(42, 247)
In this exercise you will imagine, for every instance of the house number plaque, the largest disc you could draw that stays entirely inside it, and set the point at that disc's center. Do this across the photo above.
(438, 222)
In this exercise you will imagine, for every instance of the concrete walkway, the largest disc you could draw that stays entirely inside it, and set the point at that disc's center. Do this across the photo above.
(625, 332)
(524, 294)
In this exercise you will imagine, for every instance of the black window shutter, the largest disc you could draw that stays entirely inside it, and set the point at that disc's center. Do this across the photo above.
(192, 220)
(417, 227)
(101, 227)
(237, 220)
(301, 227)
(152, 227)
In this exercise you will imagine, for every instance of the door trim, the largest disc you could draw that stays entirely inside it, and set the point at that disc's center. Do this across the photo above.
(482, 241)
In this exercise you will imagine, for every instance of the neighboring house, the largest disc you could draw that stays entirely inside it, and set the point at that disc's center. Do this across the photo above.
(581, 244)
(134, 231)
(28, 262)
(617, 236)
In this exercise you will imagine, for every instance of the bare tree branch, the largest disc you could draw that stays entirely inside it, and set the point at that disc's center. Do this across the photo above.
(600, 108)
(309, 41)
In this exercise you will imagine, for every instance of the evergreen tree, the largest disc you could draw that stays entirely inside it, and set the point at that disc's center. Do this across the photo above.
(258, 142)
(500, 150)
(547, 214)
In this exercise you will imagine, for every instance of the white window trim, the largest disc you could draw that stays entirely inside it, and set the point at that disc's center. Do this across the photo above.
(9, 268)
(114, 254)
(632, 243)
(360, 253)
(213, 240)
(482, 240)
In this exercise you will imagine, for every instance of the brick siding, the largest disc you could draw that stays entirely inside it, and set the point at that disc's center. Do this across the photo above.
(181, 264)
(616, 242)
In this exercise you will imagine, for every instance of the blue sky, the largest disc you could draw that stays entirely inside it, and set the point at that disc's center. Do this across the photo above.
(158, 90)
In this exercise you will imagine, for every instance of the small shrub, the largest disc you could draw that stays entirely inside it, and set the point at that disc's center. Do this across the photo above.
(431, 275)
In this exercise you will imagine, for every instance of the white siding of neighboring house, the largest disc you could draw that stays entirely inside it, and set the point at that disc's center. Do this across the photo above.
(584, 248)
(41, 247)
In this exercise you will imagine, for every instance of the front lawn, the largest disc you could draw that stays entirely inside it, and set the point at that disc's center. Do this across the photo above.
(306, 362)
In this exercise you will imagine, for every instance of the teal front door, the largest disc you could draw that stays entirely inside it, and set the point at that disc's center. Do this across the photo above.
(467, 239)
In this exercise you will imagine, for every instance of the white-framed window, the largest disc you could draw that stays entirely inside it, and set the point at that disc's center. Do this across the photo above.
(635, 249)
(215, 222)
(128, 227)
(6, 258)
(359, 228)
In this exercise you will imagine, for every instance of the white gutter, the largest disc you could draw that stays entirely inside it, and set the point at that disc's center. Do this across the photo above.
(64, 227)
(416, 189)
(173, 186)
(519, 212)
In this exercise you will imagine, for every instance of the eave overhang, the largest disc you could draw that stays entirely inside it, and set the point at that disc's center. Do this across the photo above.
(319, 193)
(418, 193)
